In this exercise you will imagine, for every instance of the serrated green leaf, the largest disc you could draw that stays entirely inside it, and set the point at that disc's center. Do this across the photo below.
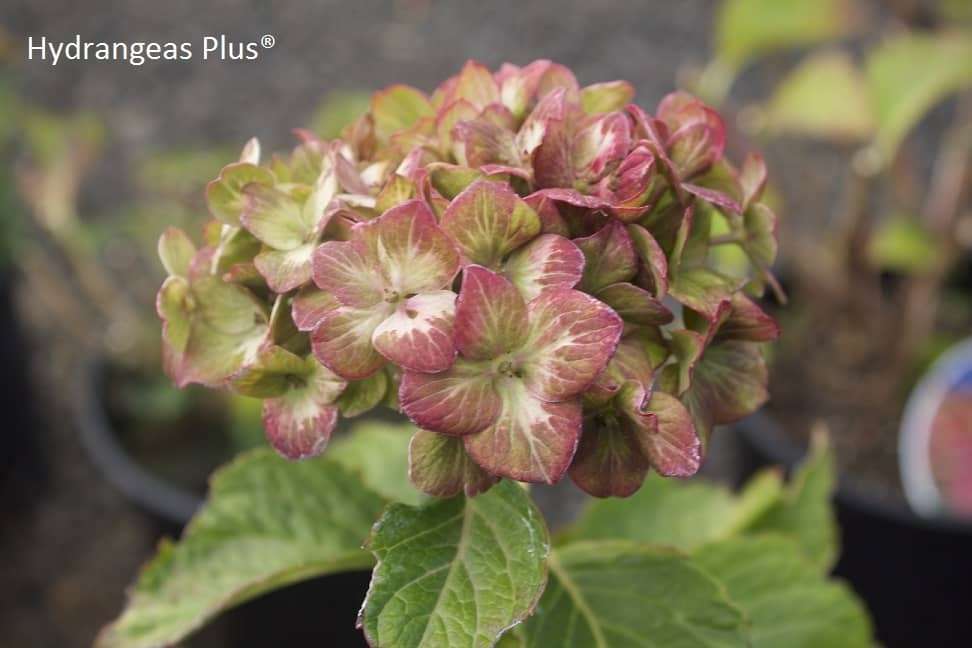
(267, 523)
(689, 514)
(376, 448)
(457, 572)
(909, 74)
(787, 601)
(902, 245)
(804, 512)
(760, 493)
(825, 96)
(748, 28)
(512, 639)
(664, 512)
(621, 595)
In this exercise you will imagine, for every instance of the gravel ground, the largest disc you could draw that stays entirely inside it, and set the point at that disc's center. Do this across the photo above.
(329, 45)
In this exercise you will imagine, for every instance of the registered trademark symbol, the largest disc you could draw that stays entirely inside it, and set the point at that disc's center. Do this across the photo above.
(268, 41)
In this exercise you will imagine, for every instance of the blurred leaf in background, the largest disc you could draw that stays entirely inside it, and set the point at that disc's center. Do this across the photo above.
(825, 96)
(339, 109)
(908, 74)
(902, 244)
(181, 173)
(747, 29)
(956, 11)
(60, 149)
(11, 224)
(384, 472)
(829, 96)
(246, 427)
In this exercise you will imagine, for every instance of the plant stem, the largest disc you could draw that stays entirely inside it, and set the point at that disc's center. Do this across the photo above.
(942, 206)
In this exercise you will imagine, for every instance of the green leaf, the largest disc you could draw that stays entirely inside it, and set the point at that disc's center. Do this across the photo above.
(689, 514)
(620, 595)
(804, 512)
(267, 523)
(665, 512)
(455, 573)
(902, 245)
(825, 96)
(749, 28)
(908, 75)
(376, 448)
(512, 639)
(760, 493)
(339, 109)
(787, 601)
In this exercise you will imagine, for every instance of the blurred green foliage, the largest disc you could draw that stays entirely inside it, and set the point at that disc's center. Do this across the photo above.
(11, 217)
(908, 74)
(824, 96)
(830, 95)
(246, 428)
(338, 109)
(957, 11)
(901, 244)
(746, 29)
(180, 173)
(870, 92)
(867, 78)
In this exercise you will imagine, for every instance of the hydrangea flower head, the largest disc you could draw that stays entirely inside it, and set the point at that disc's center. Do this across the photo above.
(524, 267)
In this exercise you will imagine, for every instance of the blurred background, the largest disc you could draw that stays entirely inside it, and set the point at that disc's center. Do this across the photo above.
(862, 108)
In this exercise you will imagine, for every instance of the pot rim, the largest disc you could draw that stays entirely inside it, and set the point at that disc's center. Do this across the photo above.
(158, 496)
(764, 432)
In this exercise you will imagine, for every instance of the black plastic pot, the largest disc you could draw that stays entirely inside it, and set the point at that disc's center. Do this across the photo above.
(321, 611)
(20, 459)
(170, 503)
(914, 573)
(318, 612)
